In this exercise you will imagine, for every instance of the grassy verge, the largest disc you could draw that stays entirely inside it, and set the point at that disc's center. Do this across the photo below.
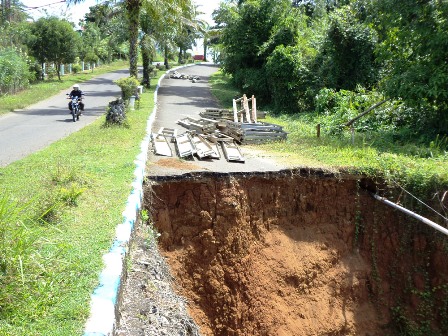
(27, 97)
(423, 170)
(58, 212)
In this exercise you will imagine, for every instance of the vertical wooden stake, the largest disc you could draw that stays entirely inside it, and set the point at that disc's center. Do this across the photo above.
(318, 130)
(254, 109)
(235, 112)
(246, 108)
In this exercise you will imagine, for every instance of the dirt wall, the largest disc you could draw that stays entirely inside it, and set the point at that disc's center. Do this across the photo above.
(297, 252)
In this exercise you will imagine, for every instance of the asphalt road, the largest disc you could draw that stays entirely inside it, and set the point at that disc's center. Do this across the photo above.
(26, 131)
(178, 98)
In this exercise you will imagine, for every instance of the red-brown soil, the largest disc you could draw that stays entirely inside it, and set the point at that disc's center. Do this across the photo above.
(295, 253)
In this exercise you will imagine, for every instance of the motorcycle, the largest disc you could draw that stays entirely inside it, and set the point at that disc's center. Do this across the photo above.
(76, 109)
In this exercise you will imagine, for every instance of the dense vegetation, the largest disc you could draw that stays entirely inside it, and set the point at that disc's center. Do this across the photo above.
(335, 59)
(32, 51)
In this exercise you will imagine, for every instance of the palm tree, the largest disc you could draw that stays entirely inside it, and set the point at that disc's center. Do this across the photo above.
(133, 8)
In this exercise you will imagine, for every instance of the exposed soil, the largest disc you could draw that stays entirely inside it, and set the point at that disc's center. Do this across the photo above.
(177, 164)
(296, 252)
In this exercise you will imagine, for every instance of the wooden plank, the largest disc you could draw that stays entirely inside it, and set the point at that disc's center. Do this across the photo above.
(184, 145)
(202, 147)
(232, 152)
(254, 109)
(235, 113)
(246, 108)
(161, 145)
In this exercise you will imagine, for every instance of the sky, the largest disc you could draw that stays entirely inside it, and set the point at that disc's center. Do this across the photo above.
(76, 12)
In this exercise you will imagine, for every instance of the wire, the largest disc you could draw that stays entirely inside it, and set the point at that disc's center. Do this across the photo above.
(446, 219)
(37, 7)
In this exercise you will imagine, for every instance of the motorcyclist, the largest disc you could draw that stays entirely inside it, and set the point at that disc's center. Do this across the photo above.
(76, 92)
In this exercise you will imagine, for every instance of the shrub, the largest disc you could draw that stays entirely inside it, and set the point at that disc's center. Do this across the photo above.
(14, 73)
(128, 86)
(76, 68)
(51, 72)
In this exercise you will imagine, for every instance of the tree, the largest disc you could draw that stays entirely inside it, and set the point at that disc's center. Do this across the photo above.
(347, 53)
(112, 24)
(414, 52)
(133, 9)
(247, 28)
(54, 40)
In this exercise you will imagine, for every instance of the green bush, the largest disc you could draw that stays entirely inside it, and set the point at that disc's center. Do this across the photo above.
(336, 108)
(51, 72)
(289, 80)
(128, 86)
(14, 73)
(76, 68)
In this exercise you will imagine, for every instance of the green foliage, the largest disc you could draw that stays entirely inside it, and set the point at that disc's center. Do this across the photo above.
(248, 28)
(76, 68)
(54, 40)
(51, 72)
(336, 108)
(14, 73)
(289, 79)
(16, 244)
(128, 86)
(116, 113)
(222, 89)
(346, 59)
(414, 49)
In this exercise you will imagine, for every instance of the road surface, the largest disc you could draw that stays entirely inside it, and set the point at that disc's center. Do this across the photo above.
(26, 131)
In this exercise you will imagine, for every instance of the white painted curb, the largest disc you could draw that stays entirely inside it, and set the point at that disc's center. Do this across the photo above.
(103, 303)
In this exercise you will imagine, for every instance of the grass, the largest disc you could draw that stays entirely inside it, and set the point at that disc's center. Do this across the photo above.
(424, 170)
(58, 211)
(27, 97)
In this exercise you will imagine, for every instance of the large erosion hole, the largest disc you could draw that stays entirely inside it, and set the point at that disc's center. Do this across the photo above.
(297, 252)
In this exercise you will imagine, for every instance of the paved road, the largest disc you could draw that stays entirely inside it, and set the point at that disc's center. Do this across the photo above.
(26, 131)
(178, 98)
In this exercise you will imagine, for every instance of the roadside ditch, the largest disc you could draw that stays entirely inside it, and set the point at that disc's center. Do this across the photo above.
(294, 252)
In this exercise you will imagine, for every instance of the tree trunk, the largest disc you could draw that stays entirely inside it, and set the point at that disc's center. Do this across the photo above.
(58, 69)
(146, 59)
(179, 57)
(165, 61)
(133, 10)
(205, 49)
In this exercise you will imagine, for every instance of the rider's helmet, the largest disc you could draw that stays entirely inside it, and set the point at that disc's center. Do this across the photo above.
(76, 87)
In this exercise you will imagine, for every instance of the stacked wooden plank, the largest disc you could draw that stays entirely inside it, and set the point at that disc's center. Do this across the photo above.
(199, 125)
(217, 114)
(246, 133)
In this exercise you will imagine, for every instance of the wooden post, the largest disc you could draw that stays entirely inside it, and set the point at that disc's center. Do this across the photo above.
(318, 130)
(235, 112)
(254, 109)
(246, 108)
